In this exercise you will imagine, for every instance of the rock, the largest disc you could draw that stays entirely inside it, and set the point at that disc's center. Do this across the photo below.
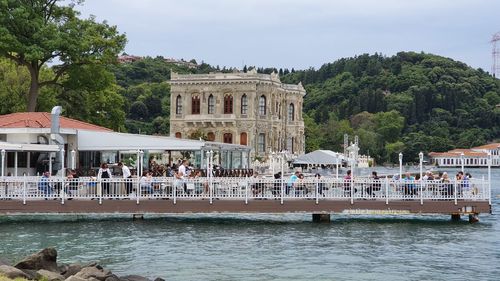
(49, 275)
(112, 277)
(75, 278)
(159, 279)
(4, 262)
(94, 272)
(45, 259)
(31, 273)
(12, 272)
(134, 278)
(72, 269)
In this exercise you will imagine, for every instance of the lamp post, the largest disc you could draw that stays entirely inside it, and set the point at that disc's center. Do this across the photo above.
(141, 157)
(400, 166)
(337, 160)
(3, 162)
(272, 162)
(73, 159)
(421, 158)
(62, 161)
(462, 161)
(489, 176)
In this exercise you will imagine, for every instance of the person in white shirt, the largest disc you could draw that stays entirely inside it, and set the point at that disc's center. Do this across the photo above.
(182, 173)
(126, 176)
(103, 175)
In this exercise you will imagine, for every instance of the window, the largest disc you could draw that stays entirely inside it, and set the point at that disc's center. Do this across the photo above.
(291, 112)
(178, 135)
(289, 144)
(211, 104)
(178, 105)
(244, 105)
(243, 138)
(228, 138)
(195, 104)
(261, 143)
(228, 104)
(262, 105)
(211, 136)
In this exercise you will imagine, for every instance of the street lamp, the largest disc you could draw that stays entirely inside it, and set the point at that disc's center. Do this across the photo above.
(462, 161)
(3, 161)
(141, 157)
(400, 165)
(421, 158)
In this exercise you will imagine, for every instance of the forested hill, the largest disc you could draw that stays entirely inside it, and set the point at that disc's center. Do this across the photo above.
(406, 103)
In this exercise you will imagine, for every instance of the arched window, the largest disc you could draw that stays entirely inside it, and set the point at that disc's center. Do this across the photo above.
(243, 138)
(211, 104)
(244, 105)
(228, 138)
(262, 105)
(178, 105)
(291, 112)
(178, 135)
(228, 104)
(211, 136)
(261, 143)
(195, 104)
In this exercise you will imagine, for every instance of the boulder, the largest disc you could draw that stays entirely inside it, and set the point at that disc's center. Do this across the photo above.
(12, 272)
(49, 275)
(159, 279)
(45, 259)
(72, 269)
(4, 262)
(134, 278)
(94, 272)
(75, 278)
(112, 278)
(33, 275)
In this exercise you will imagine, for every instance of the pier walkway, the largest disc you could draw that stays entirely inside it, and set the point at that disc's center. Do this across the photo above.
(321, 197)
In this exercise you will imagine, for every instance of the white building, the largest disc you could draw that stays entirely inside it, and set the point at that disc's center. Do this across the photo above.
(474, 157)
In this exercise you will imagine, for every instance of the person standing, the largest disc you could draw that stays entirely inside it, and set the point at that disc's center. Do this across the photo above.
(104, 175)
(44, 185)
(183, 173)
(126, 177)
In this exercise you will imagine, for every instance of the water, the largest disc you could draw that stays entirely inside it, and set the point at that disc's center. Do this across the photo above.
(271, 247)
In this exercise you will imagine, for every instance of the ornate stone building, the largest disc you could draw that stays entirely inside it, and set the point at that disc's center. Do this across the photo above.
(251, 109)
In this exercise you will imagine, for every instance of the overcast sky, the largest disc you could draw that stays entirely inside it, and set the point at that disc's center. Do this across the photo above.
(301, 33)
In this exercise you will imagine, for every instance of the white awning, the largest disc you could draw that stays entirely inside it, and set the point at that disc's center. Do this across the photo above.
(107, 141)
(28, 147)
(319, 157)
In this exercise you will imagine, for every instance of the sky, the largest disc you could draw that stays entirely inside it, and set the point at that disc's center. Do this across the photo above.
(301, 33)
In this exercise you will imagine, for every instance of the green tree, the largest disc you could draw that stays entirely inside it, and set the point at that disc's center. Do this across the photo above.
(36, 32)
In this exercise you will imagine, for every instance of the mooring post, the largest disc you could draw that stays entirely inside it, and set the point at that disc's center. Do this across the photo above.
(473, 218)
(321, 217)
(455, 217)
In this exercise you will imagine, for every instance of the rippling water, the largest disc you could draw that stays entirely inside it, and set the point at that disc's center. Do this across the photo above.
(271, 247)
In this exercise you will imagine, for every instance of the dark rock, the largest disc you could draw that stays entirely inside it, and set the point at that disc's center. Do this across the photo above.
(112, 277)
(32, 274)
(49, 275)
(45, 259)
(75, 278)
(159, 279)
(94, 272)
(72, 269)
(134, 278)
(12, 272)
(63, 267)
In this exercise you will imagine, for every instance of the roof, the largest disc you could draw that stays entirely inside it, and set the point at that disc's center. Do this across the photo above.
(43, 120)
(27, 147)
(319, 157)
(453, 153)
(112, 141)
(488, 146)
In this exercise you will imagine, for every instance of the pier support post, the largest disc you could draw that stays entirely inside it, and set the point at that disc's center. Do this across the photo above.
(455, 217)
(137, 217)
(321, 217)
(473, 218)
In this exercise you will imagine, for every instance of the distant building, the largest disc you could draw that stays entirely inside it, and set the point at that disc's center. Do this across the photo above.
(128, 59)
(250, 109)
(474, 157)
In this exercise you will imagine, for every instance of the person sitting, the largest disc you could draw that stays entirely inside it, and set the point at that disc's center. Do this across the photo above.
(409, 186)
(277, 184)
(257, 186)
(348, 184)
(44, 186)
(291, 182)
(146, 183)
(321, 184)
(375, 185)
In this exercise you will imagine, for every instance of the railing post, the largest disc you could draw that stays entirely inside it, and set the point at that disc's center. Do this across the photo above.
(282, 188)
(489, 177)
(137, 190)
(99, 191)
(421, 192)
(62, 191)
(317, 189)
(352, 191)
(24, 190)
(211, 191)
(455, 192)
(387, 191)
(246, 190)
(174, 187)
(483, 184)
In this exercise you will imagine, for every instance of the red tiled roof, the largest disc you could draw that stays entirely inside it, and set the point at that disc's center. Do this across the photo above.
(488, 146)
(42, 120)
(453, 153)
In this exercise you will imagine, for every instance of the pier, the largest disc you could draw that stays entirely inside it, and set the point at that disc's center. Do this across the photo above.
(320, 197)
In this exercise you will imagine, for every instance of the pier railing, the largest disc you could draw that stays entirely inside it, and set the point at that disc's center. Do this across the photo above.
(56, 188)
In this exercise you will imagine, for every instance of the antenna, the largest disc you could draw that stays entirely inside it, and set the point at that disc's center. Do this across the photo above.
(495, 54)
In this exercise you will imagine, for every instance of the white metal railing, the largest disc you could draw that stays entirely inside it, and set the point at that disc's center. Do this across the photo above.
(385, 189)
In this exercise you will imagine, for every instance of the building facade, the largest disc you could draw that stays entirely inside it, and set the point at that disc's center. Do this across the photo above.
(251, 109)
(473, 157)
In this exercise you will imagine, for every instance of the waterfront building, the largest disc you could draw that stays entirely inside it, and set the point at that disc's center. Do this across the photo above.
(29, 146)
(250, 109)
(473, 157)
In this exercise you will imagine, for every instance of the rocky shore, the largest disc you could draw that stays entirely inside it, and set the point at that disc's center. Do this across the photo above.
(43, 266)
